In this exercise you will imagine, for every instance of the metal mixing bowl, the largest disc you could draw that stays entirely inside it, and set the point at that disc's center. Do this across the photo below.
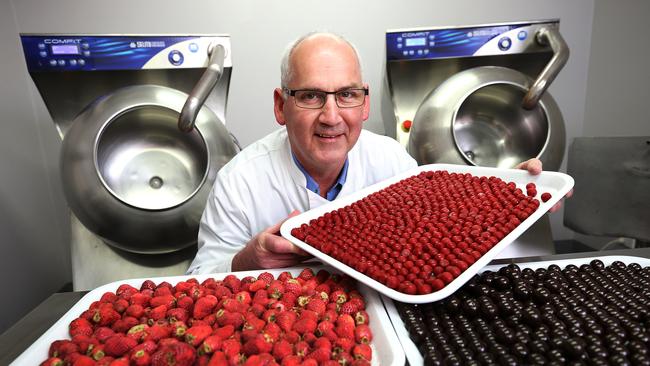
(475, 117)
(133, 178)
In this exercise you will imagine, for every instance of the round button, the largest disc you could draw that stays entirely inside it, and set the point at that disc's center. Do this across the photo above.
(81, 62)
(86, 53)
(175, 57)
(61, 62)
(505, 43)
(522, 35)
(73, 62)
(85, 45)
(43, 53)
(41, 46)
(406, 125)
(53, 62)
(193, 47)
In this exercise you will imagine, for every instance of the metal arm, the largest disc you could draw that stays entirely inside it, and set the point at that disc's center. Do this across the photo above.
(203, 88)
(547, 36)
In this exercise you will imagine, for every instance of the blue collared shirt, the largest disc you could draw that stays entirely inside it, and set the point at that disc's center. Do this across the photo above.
(313, 186)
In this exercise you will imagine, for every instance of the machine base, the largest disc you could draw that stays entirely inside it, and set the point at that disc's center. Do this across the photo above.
(95, 263)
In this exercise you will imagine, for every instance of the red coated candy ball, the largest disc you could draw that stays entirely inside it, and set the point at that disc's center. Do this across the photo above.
(546, 196)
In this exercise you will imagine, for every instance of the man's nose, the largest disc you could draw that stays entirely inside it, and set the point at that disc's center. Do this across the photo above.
(330, 111)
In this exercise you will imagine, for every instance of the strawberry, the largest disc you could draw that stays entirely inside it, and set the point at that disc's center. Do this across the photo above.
(224, 332)
(178, 329)
(168, 300)
(293, 286)
(120, 305)
(306, 274)
(309, 362)
(148, 346)
(261, 297)
(286, 319)
(362, 351)
(275, 289)
(222, 291)
(282, 349)
(148, 285)
(285, 276)
(225, 317)
(123, 325)
(164, 288)
(196, 334)
(363, 334)
(256, 308)
(178, 354)
(254, 360)
(253, 322)
(292, 337)
(273, 331)
(323, 327)
(338, 297)
(360, 362)
(80, 326)
(348, 308)
(97, 352)
(243, 297)
(134, 310)
(291, 360)
(269, 316)
(204, 306)
(317, 305)
(257, 345)
(159, 331)
(118, 345)
(266, 277)
(83, 360)
(301, 348)
(309, 287)
(305, 325)
(343, 345)
(139, 299)
(232, 282)
(257, 285)
(218, 359)
(361, 317)
(231, 347)
(102, 333)
(62, 348)
(84, 342)
(140, 358)
(52, 361)
(344, 358)
(330, 315)
(320, 355)
(323, 343)
(157, 313)
(105, 315)
(138, 332)
(309, 338)
(177, 314)
(185, 302)
(210, 344)
(111, 297)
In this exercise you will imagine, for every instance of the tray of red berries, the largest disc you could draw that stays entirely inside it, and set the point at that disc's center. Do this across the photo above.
(417, 237)
(295, 316)
(592, 310)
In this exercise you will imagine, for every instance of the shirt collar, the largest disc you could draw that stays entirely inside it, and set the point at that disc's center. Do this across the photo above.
(313, 186)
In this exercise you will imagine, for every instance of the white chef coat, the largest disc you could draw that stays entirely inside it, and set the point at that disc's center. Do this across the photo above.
(261, 185)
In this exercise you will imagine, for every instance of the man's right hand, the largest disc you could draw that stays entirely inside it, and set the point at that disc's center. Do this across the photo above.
(269, 250)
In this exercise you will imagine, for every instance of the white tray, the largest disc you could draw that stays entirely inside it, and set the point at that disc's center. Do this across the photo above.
(411, 350)
(385, 345)
(557, 184)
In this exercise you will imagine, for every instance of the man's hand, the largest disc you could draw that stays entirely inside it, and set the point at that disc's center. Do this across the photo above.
(534, 167)
(269, 250)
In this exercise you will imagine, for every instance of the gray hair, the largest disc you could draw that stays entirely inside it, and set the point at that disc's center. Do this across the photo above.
(285, 67)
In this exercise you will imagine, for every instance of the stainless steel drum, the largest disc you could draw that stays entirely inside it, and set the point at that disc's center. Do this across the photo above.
(476, 117)
(132, 177)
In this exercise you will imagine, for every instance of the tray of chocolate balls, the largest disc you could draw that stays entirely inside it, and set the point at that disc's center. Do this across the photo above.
(588, 311)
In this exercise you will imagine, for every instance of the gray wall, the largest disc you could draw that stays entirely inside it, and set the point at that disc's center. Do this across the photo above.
(34, 230)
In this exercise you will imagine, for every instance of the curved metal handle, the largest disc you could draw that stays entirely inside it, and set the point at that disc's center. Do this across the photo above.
(203, 88)
(547, 36)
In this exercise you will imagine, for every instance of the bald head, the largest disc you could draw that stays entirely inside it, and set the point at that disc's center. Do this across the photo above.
(312, 45)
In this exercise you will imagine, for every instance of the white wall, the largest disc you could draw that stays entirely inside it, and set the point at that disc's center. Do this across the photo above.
(260, 30)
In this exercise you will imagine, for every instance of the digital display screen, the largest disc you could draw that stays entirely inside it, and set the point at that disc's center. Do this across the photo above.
(65, 49)
(421, 41)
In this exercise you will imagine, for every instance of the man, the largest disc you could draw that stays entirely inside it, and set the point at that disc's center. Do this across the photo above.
(323, 153)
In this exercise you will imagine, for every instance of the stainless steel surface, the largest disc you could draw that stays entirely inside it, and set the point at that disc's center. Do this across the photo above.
(612, 187)
(475, 117)
(133, 178)
(547, 36)
(203, 88)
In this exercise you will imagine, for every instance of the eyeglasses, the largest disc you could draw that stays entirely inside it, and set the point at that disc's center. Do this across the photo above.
(315, 99)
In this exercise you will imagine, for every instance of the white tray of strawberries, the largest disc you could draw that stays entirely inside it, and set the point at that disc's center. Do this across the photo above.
(417, 237)
(295, 316)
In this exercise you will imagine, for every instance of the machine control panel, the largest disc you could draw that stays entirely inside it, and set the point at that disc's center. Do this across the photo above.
(121, 52)
(420, 44)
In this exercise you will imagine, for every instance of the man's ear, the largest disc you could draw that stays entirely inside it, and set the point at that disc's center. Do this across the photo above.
(366, 104)
(278, 106)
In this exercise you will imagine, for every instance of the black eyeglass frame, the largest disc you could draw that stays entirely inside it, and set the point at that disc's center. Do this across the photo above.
(292, 92)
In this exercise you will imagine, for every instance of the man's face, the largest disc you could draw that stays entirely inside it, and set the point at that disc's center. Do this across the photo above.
(321, 138)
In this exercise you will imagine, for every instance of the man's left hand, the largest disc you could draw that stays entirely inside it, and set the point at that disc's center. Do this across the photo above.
(534, 167)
